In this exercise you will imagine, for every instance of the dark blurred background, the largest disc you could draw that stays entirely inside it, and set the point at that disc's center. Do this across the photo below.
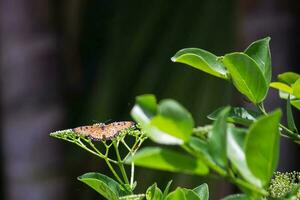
(68, 63)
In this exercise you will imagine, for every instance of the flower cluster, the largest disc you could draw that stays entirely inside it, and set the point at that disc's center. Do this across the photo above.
(283, 183)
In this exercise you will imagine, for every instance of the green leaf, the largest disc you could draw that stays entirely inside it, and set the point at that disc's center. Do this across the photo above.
(174, 120)
(202, 191)
(292, 194)
(235, 152)
(290, 117)
(262, 146)
(154, 193)
(246, 76)
(288, 77)
(166, 126)
(166, 123)
(296, 88)
(296, 103)
(144, 109)
(202, 60)
(104, 185)
(133, 197)
(284, 95)
(217, 139)
(237, 197)
(260, 52)
(148, 103)
(200, 148)
(164, 159)
(166, 191)
(282, 87)
(237, 115)
(183, 194)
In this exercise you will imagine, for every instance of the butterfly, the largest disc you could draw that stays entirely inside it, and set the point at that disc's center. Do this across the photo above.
(101, 131)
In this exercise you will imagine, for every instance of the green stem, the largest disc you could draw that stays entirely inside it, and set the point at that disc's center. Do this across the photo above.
(124, 143)
(286, 131)
(230, 176)
(242, 184)
(107, 160)
(113, 171)
(120, 163)
(211, 165)
(110, 166)
(132, 174)
(80, 144)
(99, 154)
(135, 146)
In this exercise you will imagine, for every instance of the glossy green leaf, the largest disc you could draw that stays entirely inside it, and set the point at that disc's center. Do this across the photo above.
(235, 152)
(260, 52)
(237, 197)
(183, 194)
(164, 159)
(293, 193)
(104, 185)
(237, 115)
(202, 60)
(161, 137)
(262, 146)
(282, 87)
(144, 109)
(154, 193)
(296, 104)
(174, 120)
(202, 191)
(165, 123)
(288, 77)
(133, 197)
(246, 76)
(296, 88)
(290, 117)
(284, 95)
(200, 148)
(166, 191)
(217, 139)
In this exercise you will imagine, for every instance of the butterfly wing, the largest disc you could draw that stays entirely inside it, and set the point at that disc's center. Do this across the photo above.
(94, 132)
(113, 129)
(103, 132)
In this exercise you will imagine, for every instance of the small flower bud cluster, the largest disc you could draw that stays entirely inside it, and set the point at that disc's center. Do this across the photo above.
(282, 183)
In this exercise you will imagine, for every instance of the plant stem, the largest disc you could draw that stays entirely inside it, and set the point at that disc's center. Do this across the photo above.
(124, 143)
(135, 146)
(96, 152)
(287, 132)
(243, 184)
(120, 163)
(110, 166)
(80, 144)
(132, 175)
(212, 165)
(113, 171)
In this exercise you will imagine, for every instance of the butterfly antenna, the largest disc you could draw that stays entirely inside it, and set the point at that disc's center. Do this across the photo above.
(97, 122)
(109, 120)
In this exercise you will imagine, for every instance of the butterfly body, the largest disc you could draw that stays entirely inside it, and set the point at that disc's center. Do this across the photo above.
(101, 131)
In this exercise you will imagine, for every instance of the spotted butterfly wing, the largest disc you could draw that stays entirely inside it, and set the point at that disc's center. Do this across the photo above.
(101, 131)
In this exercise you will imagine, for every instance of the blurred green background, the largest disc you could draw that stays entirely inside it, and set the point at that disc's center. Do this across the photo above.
(71, 63)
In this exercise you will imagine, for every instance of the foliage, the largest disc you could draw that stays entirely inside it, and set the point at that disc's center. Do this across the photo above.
(240, 145)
